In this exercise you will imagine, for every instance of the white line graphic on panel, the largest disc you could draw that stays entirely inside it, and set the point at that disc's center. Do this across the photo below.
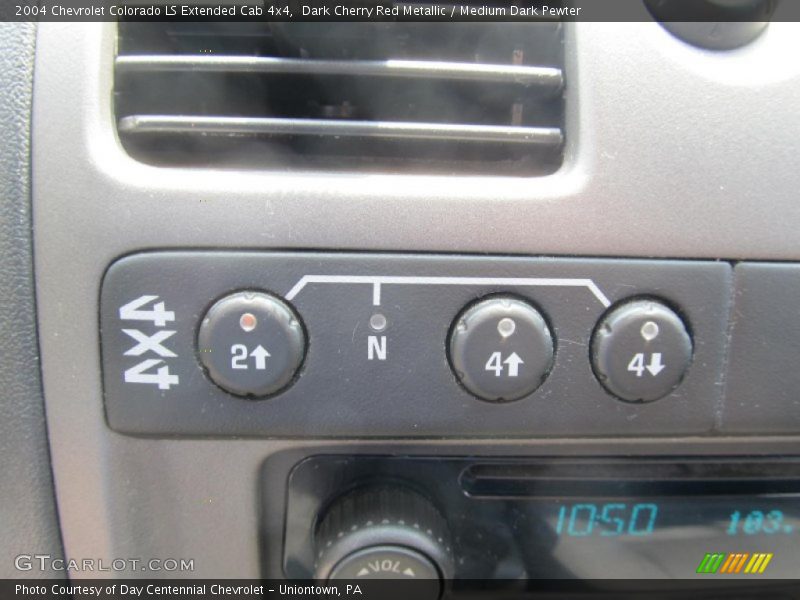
(377, 281)
(376, 294)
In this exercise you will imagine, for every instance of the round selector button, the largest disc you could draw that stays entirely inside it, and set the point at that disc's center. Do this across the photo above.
(251, 344)
(641, 351)
(501, 349)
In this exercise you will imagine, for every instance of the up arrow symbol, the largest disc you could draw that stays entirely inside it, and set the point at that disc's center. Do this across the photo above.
(260, 354)
(655, 367)
(513, 362)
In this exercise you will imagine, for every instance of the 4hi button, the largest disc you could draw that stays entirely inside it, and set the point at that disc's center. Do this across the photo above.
(501, 349)
(251, 344)
(641, 350)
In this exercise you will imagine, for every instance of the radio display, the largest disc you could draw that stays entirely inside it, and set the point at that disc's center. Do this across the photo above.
(666, 537)
(652, 521)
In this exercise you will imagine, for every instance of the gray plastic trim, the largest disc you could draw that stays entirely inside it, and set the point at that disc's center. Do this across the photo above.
(671, 151)
(28, 518)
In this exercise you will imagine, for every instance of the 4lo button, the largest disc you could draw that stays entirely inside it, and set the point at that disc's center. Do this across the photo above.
(641, 350)
(251, 344)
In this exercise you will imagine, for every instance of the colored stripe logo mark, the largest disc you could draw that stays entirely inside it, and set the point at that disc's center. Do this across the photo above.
(710, 563)
(734, 563)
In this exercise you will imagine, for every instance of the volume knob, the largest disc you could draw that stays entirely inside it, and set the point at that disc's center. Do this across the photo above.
(385, 533)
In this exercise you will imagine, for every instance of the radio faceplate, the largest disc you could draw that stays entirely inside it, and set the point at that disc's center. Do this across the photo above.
(515, 519)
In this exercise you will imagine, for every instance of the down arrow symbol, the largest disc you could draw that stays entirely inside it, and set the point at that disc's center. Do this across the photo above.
(655, 367)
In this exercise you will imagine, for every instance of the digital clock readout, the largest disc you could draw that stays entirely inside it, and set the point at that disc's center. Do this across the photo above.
(618, 518)
(608, 520)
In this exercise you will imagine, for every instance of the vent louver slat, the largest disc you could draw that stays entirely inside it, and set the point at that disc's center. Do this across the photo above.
(416, 97)
(549, 80)
(349, 128)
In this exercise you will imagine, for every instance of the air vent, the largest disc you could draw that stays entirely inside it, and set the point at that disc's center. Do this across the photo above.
(389, 96)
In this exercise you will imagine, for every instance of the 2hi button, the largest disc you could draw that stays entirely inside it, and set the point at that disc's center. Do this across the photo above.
(251, 344)
(641, 351)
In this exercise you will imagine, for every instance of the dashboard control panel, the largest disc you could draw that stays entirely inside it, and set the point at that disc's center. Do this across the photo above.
(323, 344)
(589, 374)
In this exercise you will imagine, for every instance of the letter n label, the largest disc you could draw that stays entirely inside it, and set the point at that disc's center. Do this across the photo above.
(376, 347)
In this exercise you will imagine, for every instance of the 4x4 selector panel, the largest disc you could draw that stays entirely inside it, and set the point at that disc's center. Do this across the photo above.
(317, 345)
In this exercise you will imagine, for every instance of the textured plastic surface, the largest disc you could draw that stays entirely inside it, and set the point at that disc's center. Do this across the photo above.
(398, 382)
(28, 518)
(763, 387)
